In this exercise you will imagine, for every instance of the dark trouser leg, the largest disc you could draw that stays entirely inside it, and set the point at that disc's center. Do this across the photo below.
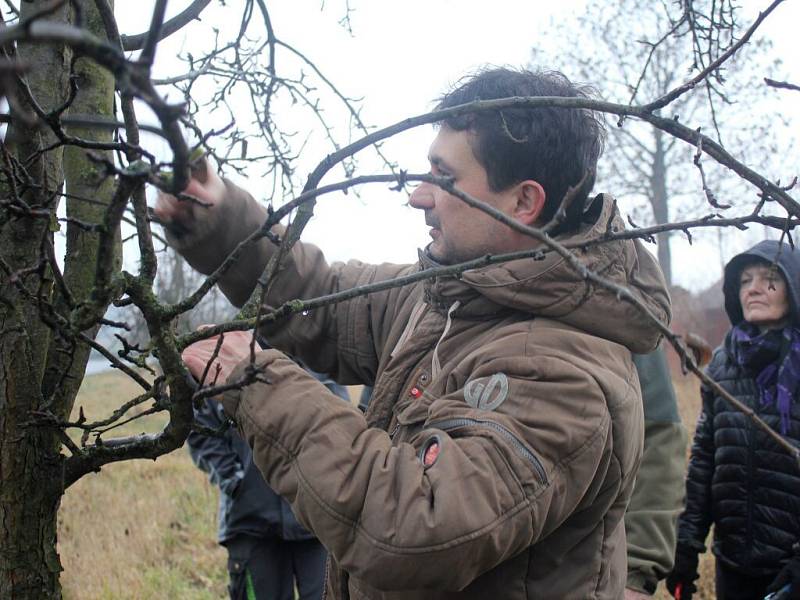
(260, 569)
(308, 564)
(733, 585)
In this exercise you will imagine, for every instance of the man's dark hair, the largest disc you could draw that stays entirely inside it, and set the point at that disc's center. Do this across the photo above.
(557, 147)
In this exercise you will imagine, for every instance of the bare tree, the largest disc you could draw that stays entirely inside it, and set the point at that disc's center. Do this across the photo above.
(640, 50)
(75, 87)
(73, 163)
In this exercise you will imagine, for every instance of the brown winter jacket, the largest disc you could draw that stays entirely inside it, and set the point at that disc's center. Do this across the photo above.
(520, 372)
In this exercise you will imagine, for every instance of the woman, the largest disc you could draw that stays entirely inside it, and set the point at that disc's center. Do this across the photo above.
(739, 479)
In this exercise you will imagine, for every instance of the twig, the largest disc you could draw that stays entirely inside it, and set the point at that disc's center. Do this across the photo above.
(781, 84)
(703, 74)
(153, 33)
(175, 24)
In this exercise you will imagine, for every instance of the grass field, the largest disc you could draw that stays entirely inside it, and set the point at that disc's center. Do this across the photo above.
(141, 530)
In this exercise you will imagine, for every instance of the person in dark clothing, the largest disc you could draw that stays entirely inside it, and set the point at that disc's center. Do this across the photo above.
(739, 479)
(269, 552)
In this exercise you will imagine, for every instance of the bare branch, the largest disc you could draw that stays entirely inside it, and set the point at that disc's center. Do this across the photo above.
(153, 34)
(175, 24)
(781, 84)
(716, 64)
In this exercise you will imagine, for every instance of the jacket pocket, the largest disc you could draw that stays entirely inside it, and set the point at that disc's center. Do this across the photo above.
(409, 420)
(513, 440)
(239, 580)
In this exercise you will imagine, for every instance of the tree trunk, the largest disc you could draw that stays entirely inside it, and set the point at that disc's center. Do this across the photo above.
(30, 464)
(660, 203)
(89, 191)
(34, 377)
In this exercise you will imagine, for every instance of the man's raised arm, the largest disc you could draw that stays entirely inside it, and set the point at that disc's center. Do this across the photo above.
(338, 339)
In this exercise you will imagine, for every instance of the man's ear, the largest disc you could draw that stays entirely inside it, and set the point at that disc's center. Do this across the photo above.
(530, 197)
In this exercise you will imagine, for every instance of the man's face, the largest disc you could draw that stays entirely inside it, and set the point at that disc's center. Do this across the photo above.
(460, 232)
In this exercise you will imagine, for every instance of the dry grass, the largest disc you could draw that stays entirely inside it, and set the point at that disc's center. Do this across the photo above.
(140, 530)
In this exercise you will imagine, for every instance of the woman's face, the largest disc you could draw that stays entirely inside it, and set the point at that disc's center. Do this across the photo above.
(762, 293)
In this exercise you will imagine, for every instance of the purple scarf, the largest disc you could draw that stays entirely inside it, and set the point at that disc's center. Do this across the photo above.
(774, 355)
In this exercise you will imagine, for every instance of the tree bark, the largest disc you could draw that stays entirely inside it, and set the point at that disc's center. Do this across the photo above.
(89, 191)
(660, 203)
(31, 465)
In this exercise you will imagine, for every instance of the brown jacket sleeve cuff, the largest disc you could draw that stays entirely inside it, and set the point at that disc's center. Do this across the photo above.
(230, 399)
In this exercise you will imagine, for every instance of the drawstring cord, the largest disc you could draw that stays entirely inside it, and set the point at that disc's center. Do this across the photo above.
(436, 366)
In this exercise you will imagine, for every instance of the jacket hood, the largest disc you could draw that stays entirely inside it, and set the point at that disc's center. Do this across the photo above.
(549, 287)
(771, 251)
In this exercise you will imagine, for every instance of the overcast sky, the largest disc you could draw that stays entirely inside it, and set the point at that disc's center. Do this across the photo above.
(399, 58)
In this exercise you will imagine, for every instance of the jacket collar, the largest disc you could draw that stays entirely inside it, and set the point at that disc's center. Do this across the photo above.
(551, 288)
(442, 292)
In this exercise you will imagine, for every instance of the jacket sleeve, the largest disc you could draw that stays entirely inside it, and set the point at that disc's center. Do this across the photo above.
(650, 521)
(695, 520)
(215, 455)
(340, 340)
(501, 480)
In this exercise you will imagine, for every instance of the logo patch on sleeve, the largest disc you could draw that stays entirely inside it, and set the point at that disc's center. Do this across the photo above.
(487, 393)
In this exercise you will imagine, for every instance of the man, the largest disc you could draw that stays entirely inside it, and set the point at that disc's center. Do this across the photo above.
(501, 444)
(651, 517)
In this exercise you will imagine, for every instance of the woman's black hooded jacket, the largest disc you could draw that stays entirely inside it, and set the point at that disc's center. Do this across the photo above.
(739, 479)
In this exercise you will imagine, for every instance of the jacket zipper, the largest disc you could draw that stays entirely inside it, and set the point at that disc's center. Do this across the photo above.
(413, 320)
(326, 578)
(751, 433)
(516, 443)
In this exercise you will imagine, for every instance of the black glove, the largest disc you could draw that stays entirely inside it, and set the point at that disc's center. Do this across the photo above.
(790, 574)
(680, 581)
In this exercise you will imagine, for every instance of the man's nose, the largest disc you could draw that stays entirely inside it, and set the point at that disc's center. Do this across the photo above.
(422, 196)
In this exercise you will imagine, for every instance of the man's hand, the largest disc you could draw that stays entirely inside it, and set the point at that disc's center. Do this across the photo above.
(205, 185)
(234, 349)
(634, 595)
